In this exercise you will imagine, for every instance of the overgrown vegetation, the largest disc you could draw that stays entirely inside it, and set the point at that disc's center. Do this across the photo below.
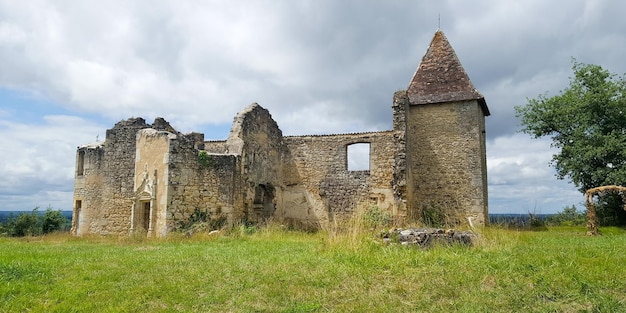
(570, 216)
(34, 223)
(375, 217)
(201, 221)
(439, 214)
(273, 269)
(204, 158)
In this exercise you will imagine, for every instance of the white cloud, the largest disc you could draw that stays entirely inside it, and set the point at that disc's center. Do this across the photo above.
(520, 177)
(38, 160)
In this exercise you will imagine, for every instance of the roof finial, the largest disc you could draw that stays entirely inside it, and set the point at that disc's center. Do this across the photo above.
(439, 22)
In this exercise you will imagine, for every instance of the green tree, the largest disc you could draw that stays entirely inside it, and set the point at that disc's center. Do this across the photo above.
(26, 224)
(587, 123)
(568, 217)
(52, 221)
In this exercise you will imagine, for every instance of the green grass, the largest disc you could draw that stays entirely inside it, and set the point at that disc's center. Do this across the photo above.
(271, 270)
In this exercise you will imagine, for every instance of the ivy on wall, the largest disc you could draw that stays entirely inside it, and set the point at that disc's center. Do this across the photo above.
(204, 159)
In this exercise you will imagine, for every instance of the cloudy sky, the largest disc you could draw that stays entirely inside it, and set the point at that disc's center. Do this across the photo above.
(70, 69)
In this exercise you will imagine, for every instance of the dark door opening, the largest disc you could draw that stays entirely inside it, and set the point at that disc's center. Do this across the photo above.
(145, 208)
(264, 201)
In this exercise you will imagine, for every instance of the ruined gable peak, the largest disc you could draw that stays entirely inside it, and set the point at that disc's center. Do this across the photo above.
(440, 77)
(132, 122)
(161, 124)
(253, 119)
(251, 107)
(234, 143)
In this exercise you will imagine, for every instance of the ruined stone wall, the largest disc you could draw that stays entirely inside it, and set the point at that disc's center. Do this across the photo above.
(215, 146)
(88, 181)
(106, 190)
(211, 186)
(433, 158)
(107, 184)
(119, 177)
(266, 167)
(446, 160)
(399, 107)
(331, 189)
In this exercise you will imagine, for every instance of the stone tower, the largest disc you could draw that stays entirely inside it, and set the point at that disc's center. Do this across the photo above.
(442, 116)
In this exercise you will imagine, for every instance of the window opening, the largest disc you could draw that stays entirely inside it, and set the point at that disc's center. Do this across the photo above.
(80, 171)
(358, 157)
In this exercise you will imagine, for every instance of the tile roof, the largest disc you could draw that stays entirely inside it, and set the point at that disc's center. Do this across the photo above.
(440, 77)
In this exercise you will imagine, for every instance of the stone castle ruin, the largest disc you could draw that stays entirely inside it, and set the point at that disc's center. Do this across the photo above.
(150, 177)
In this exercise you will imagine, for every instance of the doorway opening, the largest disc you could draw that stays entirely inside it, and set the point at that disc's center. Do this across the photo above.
(144, 213)
(78, 204)
(263, 204)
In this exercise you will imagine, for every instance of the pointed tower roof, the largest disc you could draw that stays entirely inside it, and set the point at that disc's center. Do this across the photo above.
(440, 77)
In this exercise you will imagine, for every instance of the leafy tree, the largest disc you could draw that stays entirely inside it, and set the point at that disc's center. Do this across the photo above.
(587, 123)
(26, 224)
(52, 221)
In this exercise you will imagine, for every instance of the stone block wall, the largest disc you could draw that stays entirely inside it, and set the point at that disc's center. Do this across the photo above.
(150, 191)
(266, 166)
(399, 107)
(119, 175)
(216, 146)
(446, 161)
(105, 190)
(211, 186)
(331, 189)
(88, 183)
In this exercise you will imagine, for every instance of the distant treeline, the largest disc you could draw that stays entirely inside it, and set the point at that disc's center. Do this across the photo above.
(570, 216)
(6, 215)
(520, 220)
(34, 223)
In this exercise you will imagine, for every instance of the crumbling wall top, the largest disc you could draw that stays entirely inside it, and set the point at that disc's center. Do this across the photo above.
(246, 118)
(132, 122)
(161, 124)
(92, 145)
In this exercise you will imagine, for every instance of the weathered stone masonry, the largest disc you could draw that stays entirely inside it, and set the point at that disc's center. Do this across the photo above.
(150, 177)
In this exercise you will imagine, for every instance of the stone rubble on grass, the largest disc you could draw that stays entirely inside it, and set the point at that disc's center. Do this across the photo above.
(426, 237)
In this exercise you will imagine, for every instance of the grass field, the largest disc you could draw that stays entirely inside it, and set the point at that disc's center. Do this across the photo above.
(271, 270)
